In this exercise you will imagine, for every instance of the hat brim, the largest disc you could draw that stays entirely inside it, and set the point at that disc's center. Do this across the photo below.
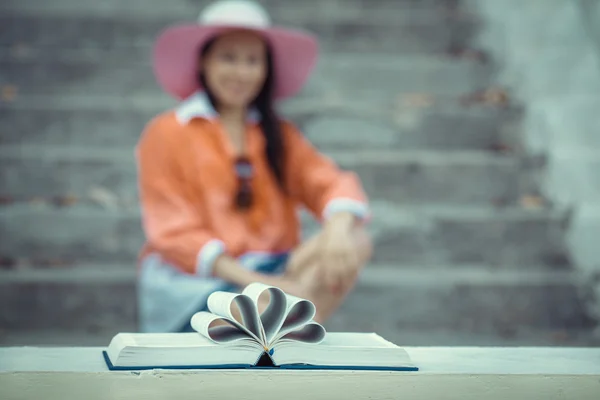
(176, 57)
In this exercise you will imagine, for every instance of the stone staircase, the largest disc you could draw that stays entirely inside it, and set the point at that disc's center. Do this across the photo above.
(466, 250)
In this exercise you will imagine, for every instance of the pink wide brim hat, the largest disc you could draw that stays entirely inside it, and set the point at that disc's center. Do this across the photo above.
(176, 51)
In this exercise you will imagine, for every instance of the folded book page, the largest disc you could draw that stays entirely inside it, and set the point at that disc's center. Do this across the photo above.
(286, 317)
(274, 315)
(220, 304)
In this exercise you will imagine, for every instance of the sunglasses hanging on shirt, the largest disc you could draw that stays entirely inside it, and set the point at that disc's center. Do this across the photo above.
(244, 172)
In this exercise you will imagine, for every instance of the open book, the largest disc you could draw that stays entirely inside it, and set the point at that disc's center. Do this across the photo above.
(284, 335)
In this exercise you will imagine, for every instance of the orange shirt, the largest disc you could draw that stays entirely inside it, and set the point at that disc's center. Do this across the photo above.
(187, 187)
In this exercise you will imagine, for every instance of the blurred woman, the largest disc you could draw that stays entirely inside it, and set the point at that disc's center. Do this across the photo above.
(221, 176)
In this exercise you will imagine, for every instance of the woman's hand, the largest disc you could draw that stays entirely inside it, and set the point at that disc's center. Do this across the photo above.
(339, 263)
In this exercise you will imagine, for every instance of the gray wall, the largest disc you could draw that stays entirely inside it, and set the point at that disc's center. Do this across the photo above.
(550, 59)
(591, 16)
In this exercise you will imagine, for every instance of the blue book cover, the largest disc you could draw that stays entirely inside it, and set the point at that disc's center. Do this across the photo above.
(257, 365)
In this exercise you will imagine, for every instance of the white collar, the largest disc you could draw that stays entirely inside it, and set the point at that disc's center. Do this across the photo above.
(199, 106)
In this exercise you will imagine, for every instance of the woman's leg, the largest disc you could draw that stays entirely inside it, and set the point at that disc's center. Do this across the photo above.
(304, 268)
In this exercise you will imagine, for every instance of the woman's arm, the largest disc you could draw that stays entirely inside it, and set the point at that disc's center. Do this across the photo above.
(320, 185)
(230, 270)
(172, 220)
(337, 198)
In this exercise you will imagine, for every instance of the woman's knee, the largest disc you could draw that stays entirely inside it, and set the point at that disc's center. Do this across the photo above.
(362, 244)
(307, 255)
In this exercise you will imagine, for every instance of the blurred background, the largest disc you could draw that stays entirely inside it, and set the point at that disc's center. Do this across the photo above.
(473, 124)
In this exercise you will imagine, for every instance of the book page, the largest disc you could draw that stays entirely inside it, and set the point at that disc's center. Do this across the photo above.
(220, 304)
(298, 313)
(312, 333)
(356, 339)
(343, 349)
(273, 316)
(169, 340)
(201, 322)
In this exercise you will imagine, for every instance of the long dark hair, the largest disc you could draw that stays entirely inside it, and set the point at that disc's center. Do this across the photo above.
(270, 123)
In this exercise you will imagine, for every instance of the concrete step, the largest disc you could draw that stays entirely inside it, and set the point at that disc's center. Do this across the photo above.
(311, 9)
(445, 127)
(404, 176)
(459, 299)
(89, 299)
(308, 103)
(389, 76)
(445, 235)
(287, 13)
(402, 235)
(381, 29)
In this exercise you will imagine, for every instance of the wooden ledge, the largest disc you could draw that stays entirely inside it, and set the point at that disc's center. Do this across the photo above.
(445, 373)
